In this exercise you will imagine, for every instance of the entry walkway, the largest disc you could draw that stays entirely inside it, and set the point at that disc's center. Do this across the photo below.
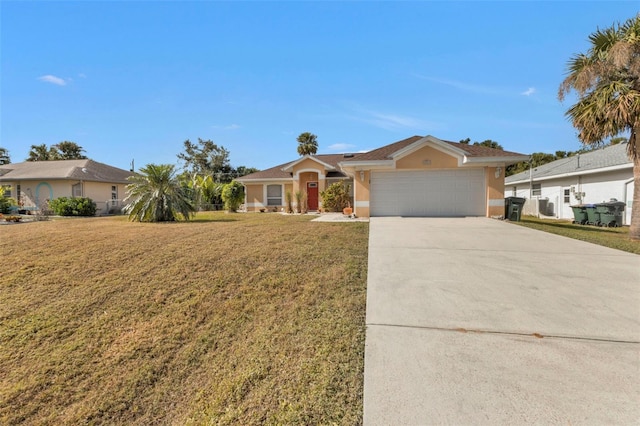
(477, 321)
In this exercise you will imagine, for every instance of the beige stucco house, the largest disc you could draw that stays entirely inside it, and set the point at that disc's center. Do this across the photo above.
(417, 176)
(34, 182)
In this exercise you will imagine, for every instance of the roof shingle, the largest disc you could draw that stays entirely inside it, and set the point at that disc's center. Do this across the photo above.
(609, 156)
(87, 170)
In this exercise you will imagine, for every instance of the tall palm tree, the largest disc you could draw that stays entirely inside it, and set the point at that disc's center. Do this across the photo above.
(39, 153)
(606, 80)
(155, 195)
(307, 143)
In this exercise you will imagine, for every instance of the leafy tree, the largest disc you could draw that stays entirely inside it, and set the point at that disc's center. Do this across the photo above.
(232, 195)
(307, 144)
(156, 195)
(4, 156)
(619, 139)
(606, 80)
(64, 150)
(243, 171)
(488, 143)
(206, 158)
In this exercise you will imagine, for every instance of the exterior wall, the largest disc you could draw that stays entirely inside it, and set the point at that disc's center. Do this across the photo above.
(495, 191)
(361, 194)
(254, 197)
(597, 187)
(101, 194)
(34, 193)
(427, 158)
(304, 172)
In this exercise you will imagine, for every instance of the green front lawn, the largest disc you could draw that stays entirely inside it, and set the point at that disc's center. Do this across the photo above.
(231, 319)
(617, 238)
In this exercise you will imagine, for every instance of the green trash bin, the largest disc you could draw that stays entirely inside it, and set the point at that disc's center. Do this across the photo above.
(611, 213)
(513, 208)
(593, 215)
(579, 214)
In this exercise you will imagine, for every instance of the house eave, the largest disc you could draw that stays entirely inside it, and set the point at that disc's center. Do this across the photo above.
(259, 181)
(495, 161)
(367, 165)
(289, 167)
(432, 141)
(571, 174)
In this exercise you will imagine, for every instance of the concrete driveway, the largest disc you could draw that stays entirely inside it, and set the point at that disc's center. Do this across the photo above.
(477, 321)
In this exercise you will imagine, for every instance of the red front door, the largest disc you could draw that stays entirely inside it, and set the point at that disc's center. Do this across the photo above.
(312, 195)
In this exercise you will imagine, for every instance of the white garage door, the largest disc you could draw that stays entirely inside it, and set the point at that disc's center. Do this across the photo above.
(428, 193)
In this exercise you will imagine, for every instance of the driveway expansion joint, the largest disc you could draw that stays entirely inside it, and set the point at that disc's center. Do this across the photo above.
(508, 333)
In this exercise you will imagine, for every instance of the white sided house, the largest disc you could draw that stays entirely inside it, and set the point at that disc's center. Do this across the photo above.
(33, 183)
(592, 177)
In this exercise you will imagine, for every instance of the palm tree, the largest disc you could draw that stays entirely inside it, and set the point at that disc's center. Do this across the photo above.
(39, 153)
(307, 143)
(155, 195)
(607, 81)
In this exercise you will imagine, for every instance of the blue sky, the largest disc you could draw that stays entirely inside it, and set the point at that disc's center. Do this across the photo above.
(134, 79)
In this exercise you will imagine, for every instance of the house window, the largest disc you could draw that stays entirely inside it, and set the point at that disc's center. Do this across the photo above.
(7, 191)
(537, 189)
(18, 193)
(274, 195)
(514, 191)
(76, 190)
(114, 194)
(567, 196)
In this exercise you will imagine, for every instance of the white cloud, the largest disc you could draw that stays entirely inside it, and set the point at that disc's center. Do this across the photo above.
(340, 147)
(394, 121)
(229, 127)
(53, 80)
(530, 91)
(467, 87)
(82, 75)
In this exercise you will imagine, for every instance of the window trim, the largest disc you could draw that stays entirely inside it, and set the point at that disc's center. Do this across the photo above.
(536, 189)
(270, 200)
(73, 190)
(566, 193)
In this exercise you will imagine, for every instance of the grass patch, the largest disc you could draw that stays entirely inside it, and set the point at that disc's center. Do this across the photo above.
(617, 238)
(231, 319)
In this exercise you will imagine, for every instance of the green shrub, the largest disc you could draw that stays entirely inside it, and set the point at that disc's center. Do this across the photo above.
(336, 197)
(73, 206)
(232, 195)
(6, 203)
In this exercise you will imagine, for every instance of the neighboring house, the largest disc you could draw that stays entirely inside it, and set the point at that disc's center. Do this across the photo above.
(592, 177)
(34, 182)
(417, 176)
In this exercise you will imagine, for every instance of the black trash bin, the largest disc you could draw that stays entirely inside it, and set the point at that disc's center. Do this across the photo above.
(579, 214)
(513, 208)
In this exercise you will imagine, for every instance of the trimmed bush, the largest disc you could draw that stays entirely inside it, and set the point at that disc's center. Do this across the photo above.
(73, 206)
